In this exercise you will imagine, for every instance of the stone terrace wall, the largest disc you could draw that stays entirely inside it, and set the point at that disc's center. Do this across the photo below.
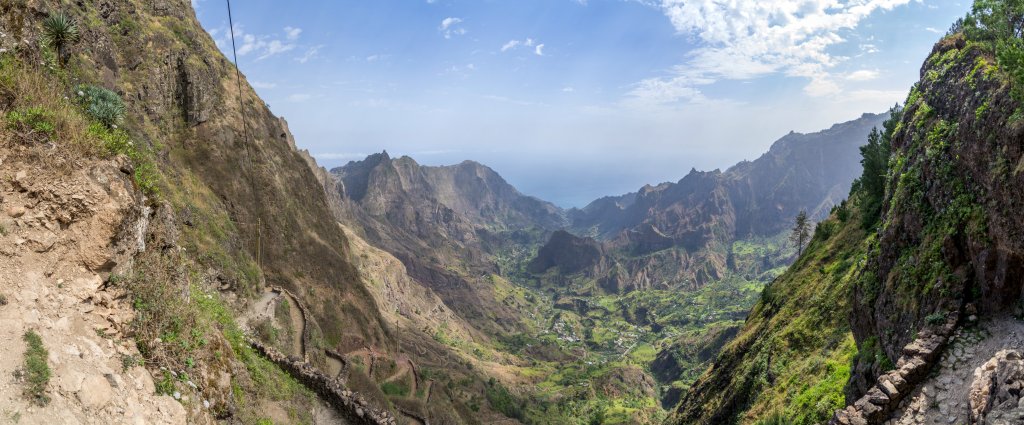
(351, 405)
(912, 368)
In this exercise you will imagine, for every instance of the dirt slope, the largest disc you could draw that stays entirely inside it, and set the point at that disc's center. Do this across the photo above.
(60, 219)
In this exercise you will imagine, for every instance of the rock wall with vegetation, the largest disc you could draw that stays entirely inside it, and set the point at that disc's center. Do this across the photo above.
(937, 250)
(791, 358)
(230, 206)
(950, 234)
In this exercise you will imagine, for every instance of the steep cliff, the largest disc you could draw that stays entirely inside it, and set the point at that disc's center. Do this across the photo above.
(451, 226)
(931, 292)
(809, 172)
(225, 205)
(949, 244)
(699, 217)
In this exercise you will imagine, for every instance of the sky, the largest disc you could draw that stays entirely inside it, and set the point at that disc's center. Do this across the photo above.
(571, 100)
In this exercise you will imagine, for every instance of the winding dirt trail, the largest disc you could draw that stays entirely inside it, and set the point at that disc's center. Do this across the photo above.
(297, 325)
(266, 308)
(56, 229)
(335, 365)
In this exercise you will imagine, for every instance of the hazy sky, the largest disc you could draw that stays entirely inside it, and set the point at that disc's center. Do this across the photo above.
(571, 100)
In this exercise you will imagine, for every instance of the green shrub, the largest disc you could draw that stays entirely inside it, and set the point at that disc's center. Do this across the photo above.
(936, 318)
(101, 104)
(397, 388)
(36, 371)
(166, 385)
(501, 400)
(117, 142)
(35, 119)
(875, 160)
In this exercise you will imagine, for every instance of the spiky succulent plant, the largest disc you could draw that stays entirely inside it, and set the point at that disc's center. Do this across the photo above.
(60, 31)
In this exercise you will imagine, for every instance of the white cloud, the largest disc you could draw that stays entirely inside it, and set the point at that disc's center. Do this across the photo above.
(262, 85)
(934, 30)
(460, 70)
(263, 46)
(299, 97)
(822, 87)
(741, 40)
(528, 42)
(862, 75)
(448, 22)
(568, 90)
(311, 53)
(450, 27)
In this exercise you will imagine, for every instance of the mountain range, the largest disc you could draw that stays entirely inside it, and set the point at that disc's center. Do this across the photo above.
(458, 229)
(169, 255)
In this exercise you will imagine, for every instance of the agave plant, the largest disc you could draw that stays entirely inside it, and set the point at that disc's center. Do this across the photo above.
(60, 31)
(103, 105)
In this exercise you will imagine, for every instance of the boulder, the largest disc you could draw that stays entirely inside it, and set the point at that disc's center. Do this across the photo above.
(996, 392)
(95, 392)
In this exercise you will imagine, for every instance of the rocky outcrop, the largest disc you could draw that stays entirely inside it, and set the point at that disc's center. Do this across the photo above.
(950, 235)
(569, 253)
(800, 172)
(997, 392)
(68, 221)
(469, 190)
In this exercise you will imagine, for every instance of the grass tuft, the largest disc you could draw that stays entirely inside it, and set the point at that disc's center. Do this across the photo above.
(36, 372)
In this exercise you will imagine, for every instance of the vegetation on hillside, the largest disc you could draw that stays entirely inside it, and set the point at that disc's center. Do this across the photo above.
(615, 358)
(895, 249)
(999, 26)
(792, 359)
(184, 331)
(35, 371)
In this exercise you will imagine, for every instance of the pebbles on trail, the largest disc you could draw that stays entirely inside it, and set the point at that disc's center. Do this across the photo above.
(946, 397)
(57, 240)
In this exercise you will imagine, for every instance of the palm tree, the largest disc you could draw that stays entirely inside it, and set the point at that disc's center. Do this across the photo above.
(60, 31)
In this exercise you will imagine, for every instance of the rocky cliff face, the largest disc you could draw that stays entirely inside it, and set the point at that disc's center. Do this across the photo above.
(231, 205)
(935, 290)
(950, 238)
(569, 253)
(680, 234)
(448, 225)
(809, 172)
(473, 191)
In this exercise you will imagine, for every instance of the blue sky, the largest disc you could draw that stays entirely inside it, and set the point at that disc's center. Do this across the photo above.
(571, 100)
